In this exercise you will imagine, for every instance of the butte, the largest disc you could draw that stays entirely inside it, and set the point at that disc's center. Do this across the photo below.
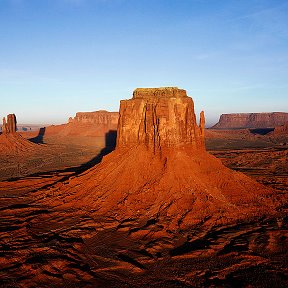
(160, 172)
(12, 143)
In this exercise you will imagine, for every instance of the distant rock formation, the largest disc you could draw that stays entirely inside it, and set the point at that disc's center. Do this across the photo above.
(11, 143)
(100, 117)
(10, 125)
(158, 118)
(94, 124)
(251, 120)
(202, 124)
(161, 172)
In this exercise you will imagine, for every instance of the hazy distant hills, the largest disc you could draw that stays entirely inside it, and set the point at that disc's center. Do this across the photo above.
(28, 127)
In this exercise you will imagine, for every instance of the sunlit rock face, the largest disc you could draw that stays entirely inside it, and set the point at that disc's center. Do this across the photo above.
(159, 118)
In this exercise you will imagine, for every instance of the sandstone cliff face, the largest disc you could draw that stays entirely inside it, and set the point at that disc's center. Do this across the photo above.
(251, 120)
(10, 125)
(158, 118)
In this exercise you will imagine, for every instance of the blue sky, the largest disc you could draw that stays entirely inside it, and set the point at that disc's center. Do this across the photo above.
(58, 57)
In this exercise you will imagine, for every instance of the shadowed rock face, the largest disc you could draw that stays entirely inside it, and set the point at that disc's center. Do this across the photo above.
(158, 118)
(10, 125)
(251, 120)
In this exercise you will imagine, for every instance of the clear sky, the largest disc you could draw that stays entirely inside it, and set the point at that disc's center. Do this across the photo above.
(58, 57)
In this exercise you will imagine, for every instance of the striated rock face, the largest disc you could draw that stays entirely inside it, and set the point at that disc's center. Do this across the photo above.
(158, 118)
(251, 120)
(10, 125)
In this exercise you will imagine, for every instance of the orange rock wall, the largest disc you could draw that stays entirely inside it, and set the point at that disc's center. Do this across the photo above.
(159, 117)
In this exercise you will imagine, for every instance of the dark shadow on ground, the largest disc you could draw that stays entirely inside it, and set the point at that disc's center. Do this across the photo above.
(39, 138)
(261, 131)
(110, 144)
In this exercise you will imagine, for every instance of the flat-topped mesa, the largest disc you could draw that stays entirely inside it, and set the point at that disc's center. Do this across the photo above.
(251, 120)
(98, 117)
(159, 118)
(162, 92)
(9, 126)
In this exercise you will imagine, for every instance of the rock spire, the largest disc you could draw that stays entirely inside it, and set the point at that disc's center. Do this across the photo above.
(10, 125)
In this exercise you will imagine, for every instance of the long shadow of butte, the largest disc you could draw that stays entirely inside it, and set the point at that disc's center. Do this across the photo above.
(110, 144)
(39, 138)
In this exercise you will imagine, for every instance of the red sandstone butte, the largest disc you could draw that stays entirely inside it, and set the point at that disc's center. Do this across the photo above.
(161, 170)
(159, 118)
(10, 141)
(10, 125)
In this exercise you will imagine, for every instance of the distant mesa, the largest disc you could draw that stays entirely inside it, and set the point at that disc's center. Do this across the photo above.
(95, 124)
(251, 120)
(100, 117)
(160, 170)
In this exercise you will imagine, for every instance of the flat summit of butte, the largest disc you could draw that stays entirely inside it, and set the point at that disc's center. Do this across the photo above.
(160, 171)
